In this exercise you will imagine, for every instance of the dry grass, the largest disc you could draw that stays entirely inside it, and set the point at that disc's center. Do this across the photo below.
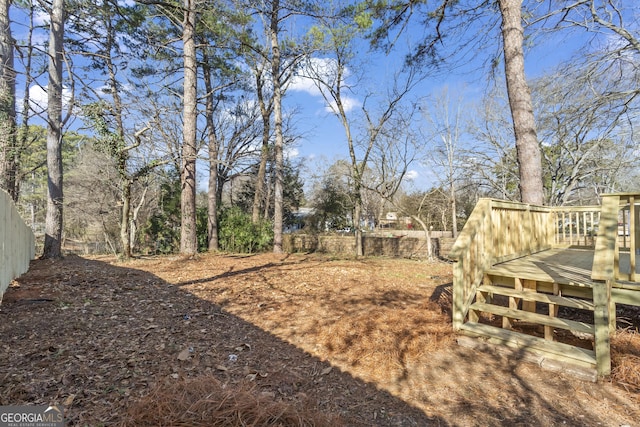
(625, 354)
(316, 342)
(205, 402)
(379, 344)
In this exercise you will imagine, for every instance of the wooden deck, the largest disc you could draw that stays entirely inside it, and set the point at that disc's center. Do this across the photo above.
(524, 263)
(563, 266)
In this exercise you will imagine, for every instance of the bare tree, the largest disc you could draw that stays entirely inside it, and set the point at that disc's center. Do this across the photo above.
(188, 235)
(524, 126)
(587, 144)
(25, 140)
(446, 128)
(54, 217)
(493, 160)
(214, 149)
(461, 20)
(588, 147)
(8, 147)
(280, 57)
(276, 73)
(330, 75)
(265, 101)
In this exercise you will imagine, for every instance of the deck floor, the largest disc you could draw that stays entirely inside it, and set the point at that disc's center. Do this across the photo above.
(558, 265)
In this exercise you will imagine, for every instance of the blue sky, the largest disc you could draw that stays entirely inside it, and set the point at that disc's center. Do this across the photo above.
(323, 137)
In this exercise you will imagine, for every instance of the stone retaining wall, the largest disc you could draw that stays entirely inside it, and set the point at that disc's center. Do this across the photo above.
(400, 246)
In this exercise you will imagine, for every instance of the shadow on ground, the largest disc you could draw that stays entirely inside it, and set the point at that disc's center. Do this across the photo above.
(369, 341)
(97, 337)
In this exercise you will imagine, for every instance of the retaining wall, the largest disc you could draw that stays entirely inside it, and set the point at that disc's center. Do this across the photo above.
(17, 243)
(399, 246)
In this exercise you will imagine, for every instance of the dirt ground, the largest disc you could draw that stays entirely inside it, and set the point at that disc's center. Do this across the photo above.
(363, 342)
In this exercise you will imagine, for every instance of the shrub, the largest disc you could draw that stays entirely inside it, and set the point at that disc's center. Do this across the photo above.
(236, 232)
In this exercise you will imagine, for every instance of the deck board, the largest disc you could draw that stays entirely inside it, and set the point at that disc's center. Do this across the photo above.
(563, 266)
(558, 265)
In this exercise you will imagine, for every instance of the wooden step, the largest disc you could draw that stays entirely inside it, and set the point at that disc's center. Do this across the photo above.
(551, 355)
(513, 339)
(540, 319)
(538, 297)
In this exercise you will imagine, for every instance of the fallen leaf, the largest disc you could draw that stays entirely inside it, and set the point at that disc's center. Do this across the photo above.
(184, 354)
(69, 400)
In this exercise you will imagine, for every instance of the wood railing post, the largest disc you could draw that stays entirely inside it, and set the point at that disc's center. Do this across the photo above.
(458, 294)
(633, 237)
(604, 272)
(602, 309)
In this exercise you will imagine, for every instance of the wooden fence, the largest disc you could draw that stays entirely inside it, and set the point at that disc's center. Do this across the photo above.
(17, 243)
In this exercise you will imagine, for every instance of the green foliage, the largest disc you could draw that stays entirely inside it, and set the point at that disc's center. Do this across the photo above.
(238, 234)
(293, 192)
(108, 141)
(332, 207)
(33, 172)
(364, 20)
(161, 233)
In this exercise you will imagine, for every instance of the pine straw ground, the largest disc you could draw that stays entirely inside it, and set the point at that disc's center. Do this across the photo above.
(270, 340)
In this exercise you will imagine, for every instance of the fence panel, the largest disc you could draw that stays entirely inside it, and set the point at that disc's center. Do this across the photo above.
(17, 243)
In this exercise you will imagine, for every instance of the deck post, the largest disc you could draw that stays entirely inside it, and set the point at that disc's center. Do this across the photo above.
(458, 294)
(633, 237)
(602, 303)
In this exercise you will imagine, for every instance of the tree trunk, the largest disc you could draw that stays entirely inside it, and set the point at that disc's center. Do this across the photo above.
(265, 111)
(8, 164)
(427, 233)
(125, 236)
(529, 158)
(357, 214)
(133, 222)
(188, 236)
(122, 155)
(279, 144)
(212, 192)
(53, 221)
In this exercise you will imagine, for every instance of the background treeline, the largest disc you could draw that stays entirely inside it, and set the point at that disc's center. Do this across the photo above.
(158, 127)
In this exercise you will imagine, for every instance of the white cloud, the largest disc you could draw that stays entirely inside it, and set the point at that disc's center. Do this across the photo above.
(324, 69)
(38, 98)
(40, 18)
(291, 152)
(411, 175)
(304, 84)
(348, 103)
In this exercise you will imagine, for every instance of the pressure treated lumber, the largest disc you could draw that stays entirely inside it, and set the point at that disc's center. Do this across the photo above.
(540, 319)
(514, 339)
(539, 297)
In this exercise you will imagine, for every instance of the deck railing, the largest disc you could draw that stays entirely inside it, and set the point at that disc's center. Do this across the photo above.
(618, 247)
(473, 252)
(575, 225)
(498, 231)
